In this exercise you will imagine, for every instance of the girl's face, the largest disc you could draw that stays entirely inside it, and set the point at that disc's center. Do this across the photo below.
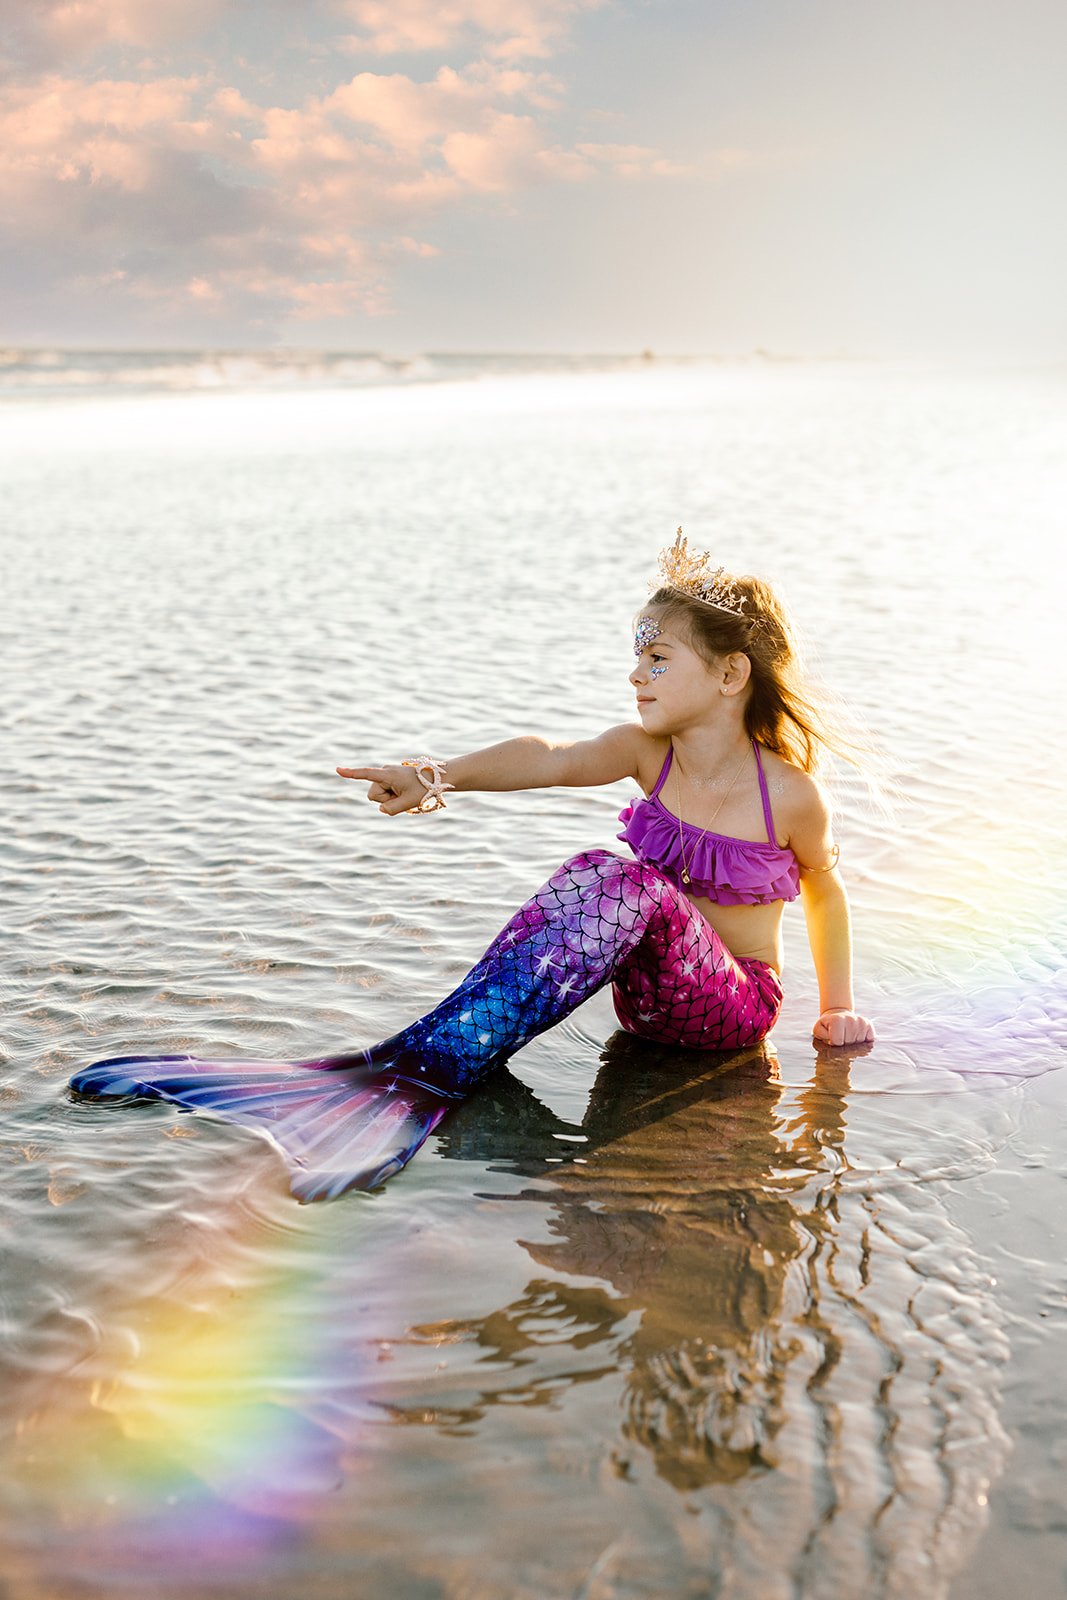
(675, 687)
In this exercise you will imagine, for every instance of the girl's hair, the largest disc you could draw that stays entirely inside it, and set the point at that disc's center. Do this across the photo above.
(785, 712)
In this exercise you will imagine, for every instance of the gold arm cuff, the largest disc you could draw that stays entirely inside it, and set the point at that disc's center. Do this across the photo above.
(834, 859)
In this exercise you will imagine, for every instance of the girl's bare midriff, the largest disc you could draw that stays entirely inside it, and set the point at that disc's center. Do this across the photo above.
(748, 932)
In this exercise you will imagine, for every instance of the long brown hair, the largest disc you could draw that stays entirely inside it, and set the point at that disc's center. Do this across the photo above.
(785, 711)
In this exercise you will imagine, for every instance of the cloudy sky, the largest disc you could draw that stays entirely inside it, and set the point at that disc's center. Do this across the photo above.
(864, 177)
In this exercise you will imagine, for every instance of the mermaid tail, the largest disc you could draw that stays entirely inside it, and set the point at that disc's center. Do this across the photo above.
(339, 1126)
(350, 1121)
(599, 918)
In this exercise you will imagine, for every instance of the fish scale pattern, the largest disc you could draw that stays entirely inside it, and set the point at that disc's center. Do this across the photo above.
(600, 918)
(351, 1121)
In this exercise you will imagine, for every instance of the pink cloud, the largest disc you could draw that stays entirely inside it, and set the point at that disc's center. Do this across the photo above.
(171, 191)
(52, 32)
(63, 130)
(43, 115)
(410, 115)
(513, 29)
(508, 154)
(418, 145)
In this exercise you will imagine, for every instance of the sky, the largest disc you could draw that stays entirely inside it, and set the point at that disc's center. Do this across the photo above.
(860, 178)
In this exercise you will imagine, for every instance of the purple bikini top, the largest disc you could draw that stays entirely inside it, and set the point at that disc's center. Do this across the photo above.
(729, 872)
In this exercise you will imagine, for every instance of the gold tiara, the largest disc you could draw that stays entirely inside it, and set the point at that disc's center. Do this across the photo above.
(683, 569)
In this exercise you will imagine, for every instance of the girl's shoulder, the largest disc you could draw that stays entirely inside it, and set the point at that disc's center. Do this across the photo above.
(650, 754)
(624, 751)
(796, 796)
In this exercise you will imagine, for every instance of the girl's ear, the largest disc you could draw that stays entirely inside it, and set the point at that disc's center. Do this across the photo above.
(736, 671)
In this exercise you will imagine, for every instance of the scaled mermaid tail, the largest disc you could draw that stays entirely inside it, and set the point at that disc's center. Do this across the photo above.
(350, 1121)
(339, 1125)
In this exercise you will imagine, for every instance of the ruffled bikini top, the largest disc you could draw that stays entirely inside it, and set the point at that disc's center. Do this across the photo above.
(729, 872)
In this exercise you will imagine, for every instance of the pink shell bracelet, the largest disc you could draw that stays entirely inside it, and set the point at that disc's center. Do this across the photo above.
(435, 785)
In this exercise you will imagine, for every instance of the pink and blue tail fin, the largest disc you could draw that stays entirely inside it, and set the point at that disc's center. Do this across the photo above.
(346, 1127)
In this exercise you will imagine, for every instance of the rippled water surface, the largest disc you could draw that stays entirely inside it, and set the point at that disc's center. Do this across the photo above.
(633, 1323)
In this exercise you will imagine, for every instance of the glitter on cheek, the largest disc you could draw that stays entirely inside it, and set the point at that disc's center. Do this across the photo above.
(647, 630)
(657, 672)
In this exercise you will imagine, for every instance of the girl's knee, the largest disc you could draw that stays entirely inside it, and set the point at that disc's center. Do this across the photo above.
(603, 870)
(634, 891)
(591, 866)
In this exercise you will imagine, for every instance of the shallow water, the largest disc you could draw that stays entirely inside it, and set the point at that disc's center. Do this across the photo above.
(632, 1323)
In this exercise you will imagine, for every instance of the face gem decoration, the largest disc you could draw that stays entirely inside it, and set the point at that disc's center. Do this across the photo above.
(647, 630)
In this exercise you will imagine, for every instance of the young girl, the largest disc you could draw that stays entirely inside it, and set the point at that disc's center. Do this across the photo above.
(687, 927)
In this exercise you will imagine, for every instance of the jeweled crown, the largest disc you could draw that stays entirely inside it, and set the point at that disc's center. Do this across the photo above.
(687, 571)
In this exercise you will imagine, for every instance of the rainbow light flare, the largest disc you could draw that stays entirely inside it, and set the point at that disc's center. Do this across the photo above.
(208, 1425)
(981, 991)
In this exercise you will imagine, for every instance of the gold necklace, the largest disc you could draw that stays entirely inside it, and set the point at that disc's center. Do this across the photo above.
(681, 841)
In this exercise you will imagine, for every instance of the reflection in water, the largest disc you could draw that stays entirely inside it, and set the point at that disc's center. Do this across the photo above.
(749, 1361)
(815, 1357)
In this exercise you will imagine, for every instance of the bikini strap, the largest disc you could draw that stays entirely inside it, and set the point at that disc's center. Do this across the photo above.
(663, 771)
(765, 797)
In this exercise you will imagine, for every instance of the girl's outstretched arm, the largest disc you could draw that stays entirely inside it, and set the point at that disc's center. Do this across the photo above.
(826, 911)
(529, 762)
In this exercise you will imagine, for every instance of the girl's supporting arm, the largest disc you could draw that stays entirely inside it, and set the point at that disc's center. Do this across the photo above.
(825, 905)
(825, 902)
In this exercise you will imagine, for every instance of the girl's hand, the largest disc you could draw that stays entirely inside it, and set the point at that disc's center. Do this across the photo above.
(395, 789)
(842, 1027)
